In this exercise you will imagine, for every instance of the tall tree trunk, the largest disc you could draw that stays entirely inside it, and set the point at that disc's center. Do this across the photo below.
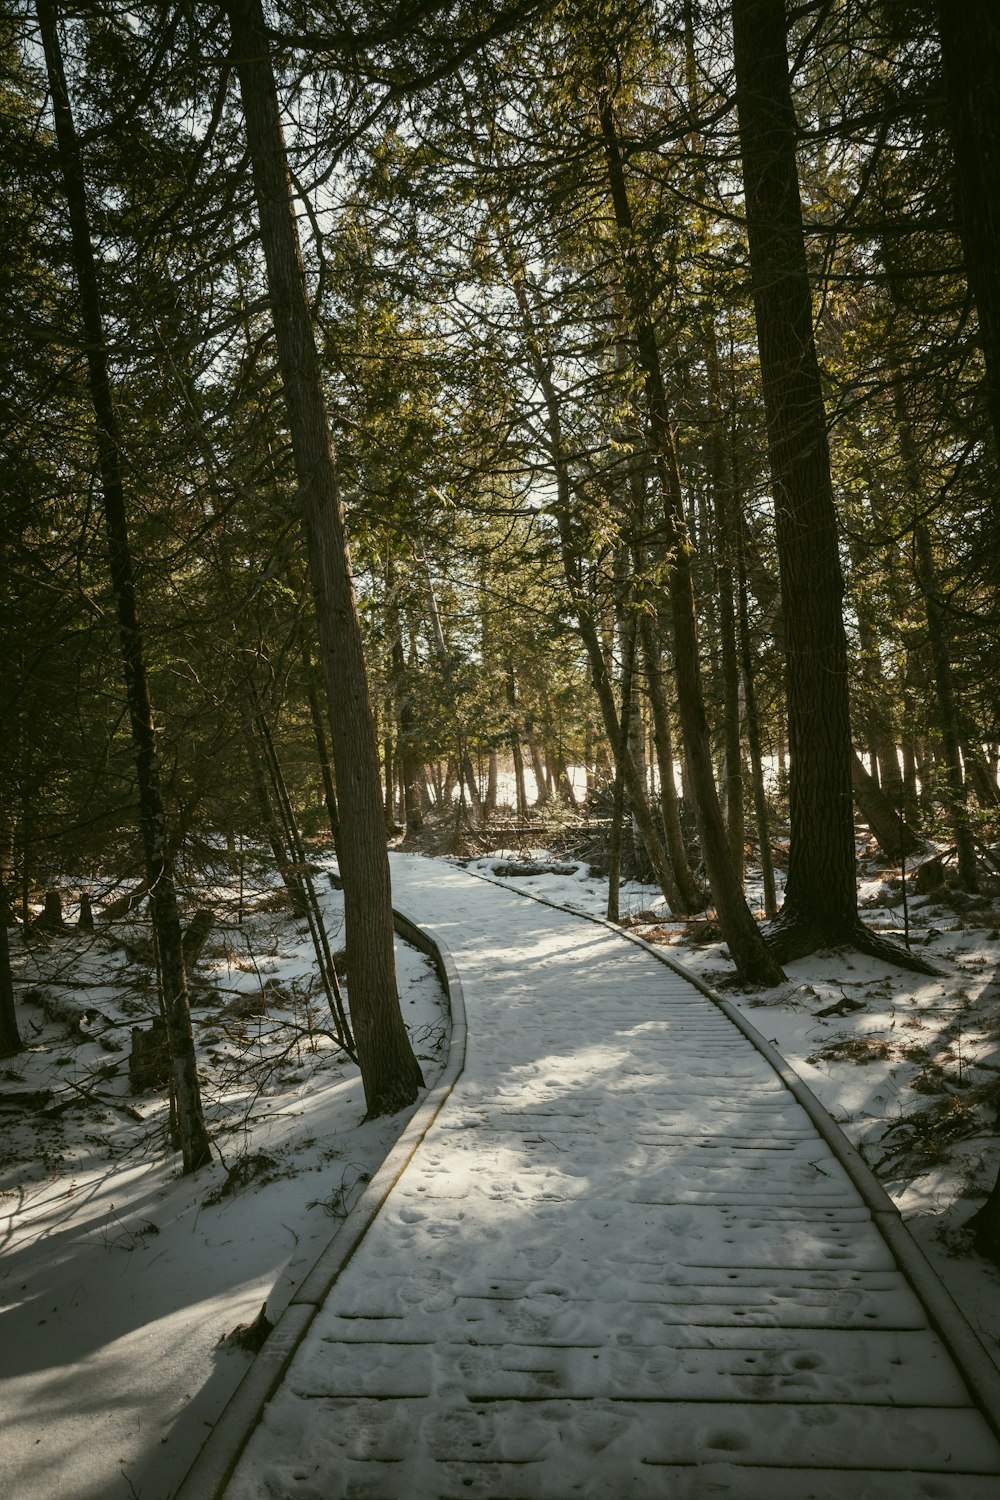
(389, 1070)
(726, 524)
(194, 1143)
(753, 960)
(970, 48)
(821, 903)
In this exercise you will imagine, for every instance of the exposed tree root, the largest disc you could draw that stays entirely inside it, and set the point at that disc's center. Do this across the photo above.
(797, 937)
(985, 1226)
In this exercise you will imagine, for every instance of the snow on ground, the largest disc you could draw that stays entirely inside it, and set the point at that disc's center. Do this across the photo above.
(908, 1066)
(118, 1277)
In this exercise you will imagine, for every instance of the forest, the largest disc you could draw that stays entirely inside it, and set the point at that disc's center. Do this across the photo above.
(444, 415)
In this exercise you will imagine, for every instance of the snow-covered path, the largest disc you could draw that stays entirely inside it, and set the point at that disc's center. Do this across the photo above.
(621, 1264)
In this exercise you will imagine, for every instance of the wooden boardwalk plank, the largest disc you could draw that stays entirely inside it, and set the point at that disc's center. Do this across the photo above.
(622, 1264)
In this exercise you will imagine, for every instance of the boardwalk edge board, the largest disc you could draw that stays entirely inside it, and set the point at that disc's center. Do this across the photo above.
(213, 1467)
(973, 1361)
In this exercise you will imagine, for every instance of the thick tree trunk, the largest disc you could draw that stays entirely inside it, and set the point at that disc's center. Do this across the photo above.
(389, 1070)
(821, 903)
(821, 893)
(753, 960)
(85, 921)
(194, 1141)
(970, 48)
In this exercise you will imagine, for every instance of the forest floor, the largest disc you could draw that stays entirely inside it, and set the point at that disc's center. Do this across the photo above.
(120, 1281)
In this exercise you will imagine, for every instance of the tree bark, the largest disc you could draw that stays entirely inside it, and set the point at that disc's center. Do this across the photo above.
(194, 1143)
(821, 893)
(970, 49)
(727, 521)
(389, 1070)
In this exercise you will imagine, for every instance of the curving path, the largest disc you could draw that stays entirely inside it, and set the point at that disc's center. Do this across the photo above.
(621, 1263)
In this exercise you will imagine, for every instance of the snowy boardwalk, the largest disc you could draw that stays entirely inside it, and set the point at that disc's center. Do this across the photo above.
(621, 1264)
